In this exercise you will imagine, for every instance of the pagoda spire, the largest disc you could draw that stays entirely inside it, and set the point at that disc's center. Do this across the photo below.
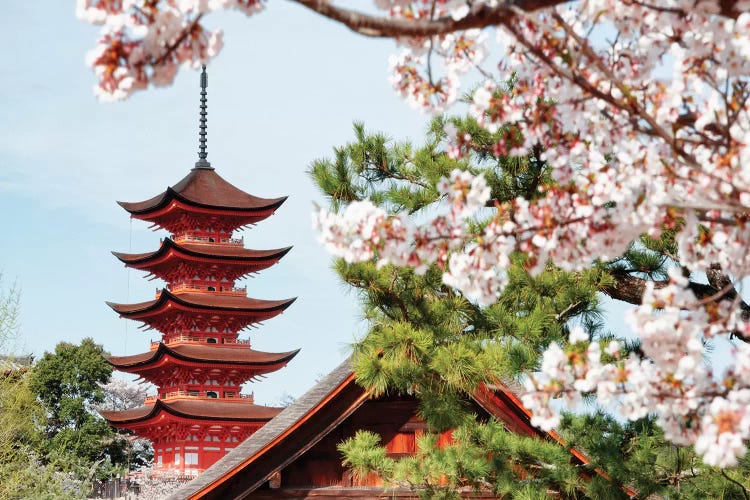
(202, 152)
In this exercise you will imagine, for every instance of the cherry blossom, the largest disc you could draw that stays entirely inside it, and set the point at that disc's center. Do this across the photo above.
(144, 42)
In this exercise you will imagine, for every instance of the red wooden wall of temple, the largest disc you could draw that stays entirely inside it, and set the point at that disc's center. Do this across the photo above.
(394, 419)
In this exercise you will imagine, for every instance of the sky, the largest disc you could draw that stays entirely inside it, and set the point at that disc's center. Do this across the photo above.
(284, 91)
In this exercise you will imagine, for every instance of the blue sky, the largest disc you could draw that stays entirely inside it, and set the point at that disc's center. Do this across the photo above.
(283, 92)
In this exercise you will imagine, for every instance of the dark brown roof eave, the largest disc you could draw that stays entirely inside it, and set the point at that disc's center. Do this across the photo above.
(169, 407)
(167, 295)
(156, 354)
(168, 243)
(162, 200)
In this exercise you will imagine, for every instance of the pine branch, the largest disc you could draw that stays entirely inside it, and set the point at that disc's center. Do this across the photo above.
(740, 485)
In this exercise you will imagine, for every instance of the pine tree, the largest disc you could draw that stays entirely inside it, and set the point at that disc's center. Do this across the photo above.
(428, 340)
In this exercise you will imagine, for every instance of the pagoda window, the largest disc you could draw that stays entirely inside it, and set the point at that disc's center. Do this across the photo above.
(230, 394)
(192, 393)
(211, 340)
(191, 459)
(212, 394)
(159, 461)
(177, 459)
(212, 240)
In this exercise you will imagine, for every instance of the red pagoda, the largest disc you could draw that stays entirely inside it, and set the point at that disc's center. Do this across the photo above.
(198, 413)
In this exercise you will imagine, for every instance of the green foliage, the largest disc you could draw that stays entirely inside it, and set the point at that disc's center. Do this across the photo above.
(68, 385)
(636, 456)
(22, 418)
(481, 455)
(427, 340)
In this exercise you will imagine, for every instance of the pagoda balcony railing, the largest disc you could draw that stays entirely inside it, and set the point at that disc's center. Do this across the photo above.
(189, 238)
(187, 339)
(200, 395)
(188, 287)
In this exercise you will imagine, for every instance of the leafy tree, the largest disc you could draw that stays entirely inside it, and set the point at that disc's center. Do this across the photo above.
(68, 383)
(429, 340)
(22, 418)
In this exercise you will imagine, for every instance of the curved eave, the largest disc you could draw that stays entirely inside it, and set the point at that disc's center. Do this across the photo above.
(251, 305)
(143, 208)
(185, 353)
(169, 244)
(228, 411)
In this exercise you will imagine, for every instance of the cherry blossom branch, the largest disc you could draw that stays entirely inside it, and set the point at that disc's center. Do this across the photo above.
(480, 16)
(174, 45)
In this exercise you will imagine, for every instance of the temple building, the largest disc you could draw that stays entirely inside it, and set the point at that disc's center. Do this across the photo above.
(199, 413)
(295, 455)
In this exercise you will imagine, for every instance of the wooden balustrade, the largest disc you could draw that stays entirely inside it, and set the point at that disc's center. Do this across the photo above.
(185, 339)
(190, 287)
(190, 238)
(181, 394)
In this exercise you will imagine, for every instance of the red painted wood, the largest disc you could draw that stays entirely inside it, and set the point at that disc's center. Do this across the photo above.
(199, 214)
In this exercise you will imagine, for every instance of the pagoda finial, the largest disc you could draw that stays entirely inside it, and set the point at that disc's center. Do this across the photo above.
(202, 153)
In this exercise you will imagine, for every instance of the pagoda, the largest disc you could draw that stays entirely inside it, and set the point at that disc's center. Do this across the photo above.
(199, 413)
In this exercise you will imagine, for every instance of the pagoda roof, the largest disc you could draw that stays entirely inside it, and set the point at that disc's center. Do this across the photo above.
(199, 409)
(203, 250)
(204, 353)
(203, 187)
(313, 416)
(203, 300)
